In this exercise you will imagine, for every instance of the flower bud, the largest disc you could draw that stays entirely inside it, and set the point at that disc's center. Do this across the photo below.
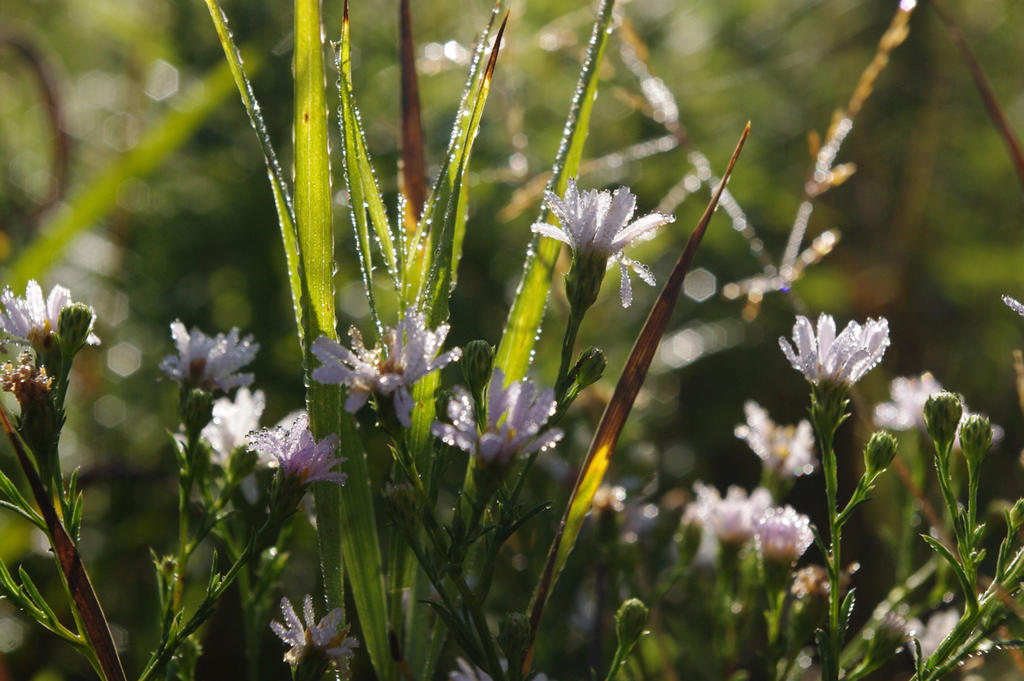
(630, 622)
(477, 361)
(74, 327)
(1016, 516)
(942, 414)
(975, 438)
(691, 529)
(589, 368)
(514, 635)
(879, 452)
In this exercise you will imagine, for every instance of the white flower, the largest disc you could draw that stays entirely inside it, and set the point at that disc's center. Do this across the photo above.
(731, 519)
(845, 358)
(323, 635)
(33, 319)
(468, 672)
(782, 534)
(233, 421)
(298, 453)
(906, 411)
(784, 449)
(1014, 305)
(407, 354)
(515, 416)
(595, 223)
(209, 363)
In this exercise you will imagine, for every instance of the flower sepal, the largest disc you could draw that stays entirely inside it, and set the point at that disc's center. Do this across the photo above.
(583, 281)
(829, 400)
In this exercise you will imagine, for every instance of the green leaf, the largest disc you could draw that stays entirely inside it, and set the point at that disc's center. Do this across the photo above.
(443, 220)
(282, 198)
(366, 207)
(93, 201)
(615, 414)
(346, 527)
(524, 319)
(965, 584)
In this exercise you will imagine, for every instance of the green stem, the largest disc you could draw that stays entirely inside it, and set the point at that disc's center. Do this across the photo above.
(562, 385)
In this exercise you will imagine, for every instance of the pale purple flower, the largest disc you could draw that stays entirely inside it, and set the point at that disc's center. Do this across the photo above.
(232, 422)
(406, 354)
(906, 411)
(297, 453)
(845, 358)
(32, 319)
(783, 449)
(469, 672)
(598, 223)
(209, 363)
(782, 535)
(1014, 305)
(323, 635)
(516, 414)
(731, 519)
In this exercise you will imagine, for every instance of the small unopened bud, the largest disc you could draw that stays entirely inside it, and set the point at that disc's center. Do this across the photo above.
(879, 452)
(975, 438)
(589, 368)
(942, 414)
(691, 529)
(630, 622)
(1016, 515)
(477, 362)
(74, 328)
(514, 635)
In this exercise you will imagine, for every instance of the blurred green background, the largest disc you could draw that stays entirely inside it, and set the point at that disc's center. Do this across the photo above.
(931, 235)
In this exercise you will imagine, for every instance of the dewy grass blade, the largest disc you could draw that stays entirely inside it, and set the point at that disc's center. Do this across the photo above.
(412, 163)
(364, 194)
(93, 201)
(76, 579)
(282, 197)
(615, 414)
(447, 250)
(416, 260)
(350, 507)
(524, 319)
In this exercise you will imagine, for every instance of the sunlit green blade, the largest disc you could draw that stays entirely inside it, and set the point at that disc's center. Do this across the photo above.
(615, 414)
(412, 154)
(524, 319)
(94, 200)
(446, 248)
(282, 198)
(416, 260)
(360, 180)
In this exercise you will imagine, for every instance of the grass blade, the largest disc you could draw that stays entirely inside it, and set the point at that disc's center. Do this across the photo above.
(524, 319)
(412, 163)
(416, 260)
(90, 613)
(282, 198)
(448, 247)
(96, 199)
(615, 414)
(365, 201)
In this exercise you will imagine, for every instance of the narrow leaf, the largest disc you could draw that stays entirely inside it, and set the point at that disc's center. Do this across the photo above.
(446, 251)
(282, 197)
(412, 163)
(93, 201)
(965, 584)
(79, 585)
(417, 257)
(524, 319)
(615, 414)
